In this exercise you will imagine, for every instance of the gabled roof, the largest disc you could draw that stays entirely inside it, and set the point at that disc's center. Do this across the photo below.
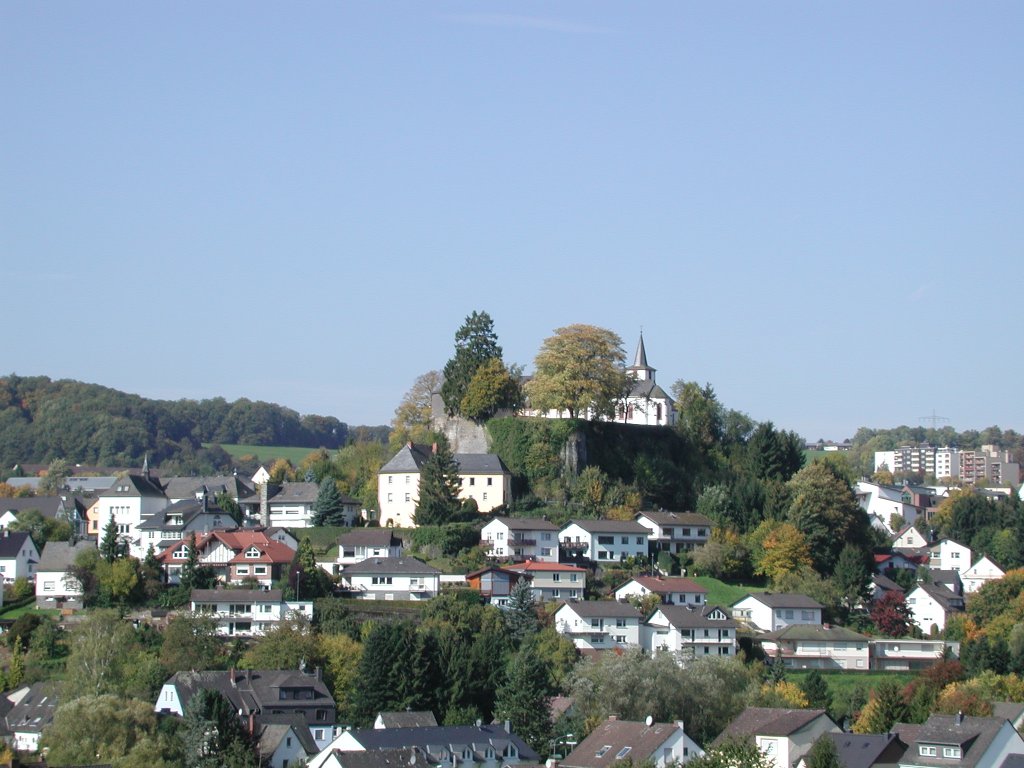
(272, 729)
(666, 585)
(237, 540)
(134, 486)
(432, 740)
(188, 510)
(602, 609)
(946, 598)
(816, 632)
(616, 740)
(12, 542)
(526, 523)
(695, 616)
(407, 719)
(662, 517)
(189, 487)
(373, 565)
(47, 506)
(410, 458)
(537, 566)
(767, 721)
(480, 464)
(884, 582)
(863, 750)
(253, 690)
(292, 493)
(974, 735)
(647, 388)
(782, 600)
(609, 526)
(34, 709)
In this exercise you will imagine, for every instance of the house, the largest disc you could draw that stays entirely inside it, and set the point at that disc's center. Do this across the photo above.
(392, 578)
(181, 518)
(772, 611)
(675, 531)
(672, 590)
(361, 543)
(979, 574)
(782, 735)
(880, 585)
(647, 743)
(54, 587)
(237, 556)
(283, 740)
(597, 625)
(690, 630)
(553, 581)
(521, 538)
(238, 489)
(908, 654)
(128, 502)
(495, 584)
(406, 719)
(931, 605)
(483, 477)
(900, 559)
(949, 555)
(63, 507)
(31, 711)
(818, 646)
(486, 746)
(910, 537)
(865, 750)
(18, 556)
(886, 503)
(948, 579)
(970, 742)
(267, 693)
(603, 540)
(247, 612)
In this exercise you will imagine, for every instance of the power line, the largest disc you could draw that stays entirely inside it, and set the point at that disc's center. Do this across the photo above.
(934, 419)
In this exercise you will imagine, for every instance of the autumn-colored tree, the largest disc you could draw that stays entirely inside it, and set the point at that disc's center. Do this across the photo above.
(341, 656)
(725, 556)
(825, 510)
(579, 370)
(492, 387)
(413, 416)
(781, 694)
(281, 471)
(959, 697)
(891, 614)
(885, 707)
(785, 550)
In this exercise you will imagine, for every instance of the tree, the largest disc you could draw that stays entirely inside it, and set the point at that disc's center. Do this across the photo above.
(105, 658)
(289, 644)
(699, 414)
(227, 504)
(579, 370)
(520, 613)
(733, 754)
(492, 388)
(885, 707)
(852, 577)
(785, 550)
(307, 580)
(824, 508)
(56, 477)
(413, 421)
(823, 754)
(195, 575)
(891, 615)
(475, 344)
(438, 501)
(110, 545)
(330, 508)
(341, 656)
(816, 690)
(214, 736)
(522, 699)
(191, 642)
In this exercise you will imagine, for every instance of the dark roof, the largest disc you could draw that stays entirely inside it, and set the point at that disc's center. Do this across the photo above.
(662, 517)
(34, 711)
(973, 735)
(292, 493)
(949, 600)
(273, 728)
(188, 510)
(863, 750)
(254, 690)
(649, 389)
(189, 487)
(783, 600)
(132, 485)
(236, 595)
(435, 740)
(768, 721)
(615, 740)
(58, 555)
(603, 609)
(816, 632)
(695, 616)
(884, 582)
(410, 458)
(47, 506)
(610, 526)
(12, 542)
(369, 537)
(399, 757)
(390, 565)
(480, 464)
(407, 719)
(527, 523)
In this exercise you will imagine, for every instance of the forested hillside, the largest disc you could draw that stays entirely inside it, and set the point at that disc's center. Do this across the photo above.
(41, 419)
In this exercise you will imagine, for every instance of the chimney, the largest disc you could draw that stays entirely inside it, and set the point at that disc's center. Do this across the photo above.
(252, 723)
(264, 505)
(508, 726)
(613, 718)
(959, 717)
(232, 677)
(318, 673)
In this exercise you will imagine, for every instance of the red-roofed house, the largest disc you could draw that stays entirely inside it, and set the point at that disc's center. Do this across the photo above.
(236, 556)
(673, 590)
(553, 581)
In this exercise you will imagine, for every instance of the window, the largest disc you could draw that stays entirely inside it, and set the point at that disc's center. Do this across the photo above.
(555, 593)
(608, 540)
(603, 750)
(595, 623)
(806, 616)
(686, 531)
(556, 577)
(622, 753)
(788, 613)
(389, 497)
(485, 495)
(639, 539)
(472, 481)
(381, 580)
(490, 481)
(318, 734)
(926, 751)
(407, 497)
(242, 570)
(625, 539)
(48, 586)
(620, 639)
(572, 594)
(408, 479)
(252, 552)
(545, 552)
(260, 570)
(180, 554)
(620, 622)
(953, 752)
(391, 479)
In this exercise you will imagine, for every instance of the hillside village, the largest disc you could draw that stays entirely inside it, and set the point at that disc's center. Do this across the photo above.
(587, 575)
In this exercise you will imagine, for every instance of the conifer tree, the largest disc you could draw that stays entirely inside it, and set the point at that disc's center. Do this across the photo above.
(110, 545)
(330, 508)
(520, 613)
(438, 501)
(522, 699)
(816, 690)
(475, 344)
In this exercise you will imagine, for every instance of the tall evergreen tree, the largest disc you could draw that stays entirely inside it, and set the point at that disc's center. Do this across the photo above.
(438, 501)
(522, 699)
(110, 545)
(475, 344)
(307, 580)
(330, 509)
(521, 613)
(816, 690)
(852, 577)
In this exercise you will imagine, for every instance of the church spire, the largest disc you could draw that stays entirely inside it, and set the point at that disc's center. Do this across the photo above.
(640, 370)
(640, 361)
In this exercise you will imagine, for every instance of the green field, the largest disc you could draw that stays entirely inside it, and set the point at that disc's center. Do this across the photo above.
(14, 613)
(720, 593)
(267, 454)
(841, 684)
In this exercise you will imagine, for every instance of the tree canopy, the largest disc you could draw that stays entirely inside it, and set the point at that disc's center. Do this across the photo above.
(475, 344)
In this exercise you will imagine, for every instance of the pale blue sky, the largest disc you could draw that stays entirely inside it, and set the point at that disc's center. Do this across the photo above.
(815, 207)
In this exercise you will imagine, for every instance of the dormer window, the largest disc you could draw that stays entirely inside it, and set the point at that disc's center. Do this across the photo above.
(927, 751)
(252, 552)
(180, 554)
(952, 752)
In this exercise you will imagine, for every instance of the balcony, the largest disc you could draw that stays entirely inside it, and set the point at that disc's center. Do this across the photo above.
(520, 541)
(574, 546)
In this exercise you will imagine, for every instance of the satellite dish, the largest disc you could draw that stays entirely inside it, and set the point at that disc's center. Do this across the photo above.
(649, 721)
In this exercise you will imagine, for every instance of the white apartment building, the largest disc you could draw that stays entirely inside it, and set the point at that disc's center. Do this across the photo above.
(521, 538)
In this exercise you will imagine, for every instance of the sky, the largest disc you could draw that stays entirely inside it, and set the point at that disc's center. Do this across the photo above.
(814, 207)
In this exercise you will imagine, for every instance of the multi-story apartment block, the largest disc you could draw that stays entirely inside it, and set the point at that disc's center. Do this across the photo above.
(553, 581)
(519, 538)
(987, 464)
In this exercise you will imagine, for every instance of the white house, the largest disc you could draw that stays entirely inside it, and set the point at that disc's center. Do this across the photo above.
(782, 735)
(29, 712)
(646, 743)
(521, 538)
(483, 477)
(283, 741)
(18, 556)
(931, 605)
(979, 574)
(362, 543)
(672, 590)
(909, 537)
(553, 581)
(950, 555)
(690, 630)
(130, 500)
(810, 646)
(906, 654)
(599, 624)
(54, 587)
(978, 742)
(772, 611)
(247, 612)
(392, 578)
(675, 531)
(604, 540)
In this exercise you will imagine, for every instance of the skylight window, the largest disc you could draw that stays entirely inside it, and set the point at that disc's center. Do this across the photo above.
(623, 752)
(603, 750)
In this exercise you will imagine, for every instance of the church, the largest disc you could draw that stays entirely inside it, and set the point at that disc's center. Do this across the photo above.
(647, 403)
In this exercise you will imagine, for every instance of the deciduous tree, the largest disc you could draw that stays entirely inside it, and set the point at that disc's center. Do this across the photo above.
(891, 615)
(492, 388)
(824, 508)
(413, 416)
(579, 370)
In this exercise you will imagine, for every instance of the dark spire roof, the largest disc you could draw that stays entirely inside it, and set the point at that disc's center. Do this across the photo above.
(640, 361)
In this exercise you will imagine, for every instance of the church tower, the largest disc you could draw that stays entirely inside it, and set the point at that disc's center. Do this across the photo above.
(640, 370)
